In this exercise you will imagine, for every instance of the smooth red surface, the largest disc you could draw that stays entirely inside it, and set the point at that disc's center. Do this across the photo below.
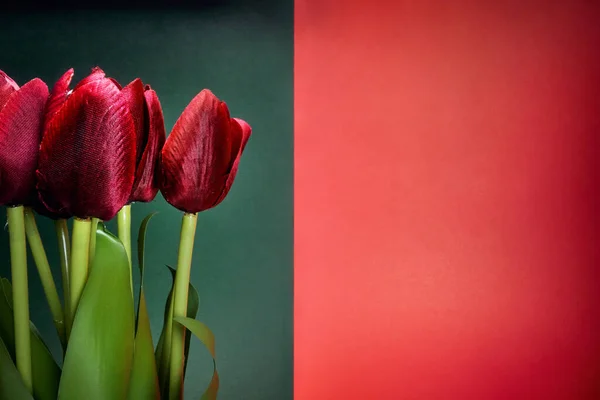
(447, 233)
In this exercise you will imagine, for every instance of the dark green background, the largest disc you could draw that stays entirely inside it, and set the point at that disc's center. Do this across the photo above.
(242, 265)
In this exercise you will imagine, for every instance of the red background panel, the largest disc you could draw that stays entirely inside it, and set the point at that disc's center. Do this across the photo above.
(447, 232)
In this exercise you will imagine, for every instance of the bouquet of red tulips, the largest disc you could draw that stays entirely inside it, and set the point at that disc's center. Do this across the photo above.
(88, 154)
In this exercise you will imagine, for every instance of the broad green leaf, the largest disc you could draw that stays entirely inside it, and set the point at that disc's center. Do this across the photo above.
(100, 352)
(163, 351)
(11, 384)
(207, 338)
(45, 371)
(144, 378)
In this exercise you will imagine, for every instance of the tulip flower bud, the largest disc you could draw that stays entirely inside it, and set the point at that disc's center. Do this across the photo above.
(21, 119)
(150, 138)
(87, 155)
(200, 157)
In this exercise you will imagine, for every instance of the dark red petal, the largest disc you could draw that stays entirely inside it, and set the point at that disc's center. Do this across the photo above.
(145, 185)
(117, 84)
(41, 209)
(7, 87)
(20, 135)
(196, 157)
(87, 159)
(242, 130)
(134, 93)
(95, 75)
(58, 96)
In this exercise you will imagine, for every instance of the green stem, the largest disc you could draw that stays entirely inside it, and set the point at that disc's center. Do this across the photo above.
(43, 267)
(64, 251)
(18, 263)
(93, 239)
(180, 299)
(124, 230)
(80, 252)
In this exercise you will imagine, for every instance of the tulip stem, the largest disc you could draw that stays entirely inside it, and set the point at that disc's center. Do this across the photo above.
(180, 299)
(64, 251)
(124, 228)
(93, 229)
(18, 263)
(80, 252)
(43, 267)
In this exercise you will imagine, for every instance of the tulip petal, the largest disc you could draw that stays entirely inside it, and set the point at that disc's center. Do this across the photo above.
(95, 75)
(87, 158)
(242, 131)
(117, 84)
(41, 209)
(134, 93)
(20, 135)
(145, 185)
(58, 96)
(7, 87)
(196, 158)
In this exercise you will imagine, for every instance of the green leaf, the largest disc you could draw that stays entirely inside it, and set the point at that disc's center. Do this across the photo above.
(163, 349)
(7, 291)
(45, 371)
(207, 338)
(11, 384)
(144, 378)
(192, 312)
(100, 352)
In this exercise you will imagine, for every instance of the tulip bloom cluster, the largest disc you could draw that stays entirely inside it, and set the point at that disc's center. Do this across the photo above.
(87, 154)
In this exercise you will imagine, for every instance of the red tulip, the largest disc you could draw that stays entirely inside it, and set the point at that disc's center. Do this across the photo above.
(87, 155)
(21, 118)
(150, 137)
(200, 158)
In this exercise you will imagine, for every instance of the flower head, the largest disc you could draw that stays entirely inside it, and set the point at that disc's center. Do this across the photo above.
(200, 158)
(87, 156)
(150, 137)
(21, 118)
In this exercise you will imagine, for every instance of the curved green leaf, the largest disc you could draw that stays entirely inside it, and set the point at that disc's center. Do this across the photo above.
(144, 378)
(45, 371)
(163, 349)
(207, 338)
(100, 352)
(141, 247)
(7, 291)
(192, 312)
(11, 384)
